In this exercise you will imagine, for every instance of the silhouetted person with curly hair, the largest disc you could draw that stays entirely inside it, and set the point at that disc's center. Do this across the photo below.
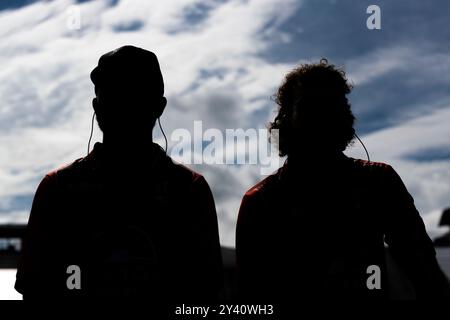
(313, 229)
(137, 224)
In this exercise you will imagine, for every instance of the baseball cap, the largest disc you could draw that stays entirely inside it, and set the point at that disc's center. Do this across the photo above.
(129, 65)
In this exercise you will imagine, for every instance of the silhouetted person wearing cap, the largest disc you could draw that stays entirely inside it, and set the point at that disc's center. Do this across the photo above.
(444, 240)
(312, 229)
(134, 222)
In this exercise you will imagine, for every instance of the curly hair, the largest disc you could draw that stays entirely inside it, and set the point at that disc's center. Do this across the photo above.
(317, 92)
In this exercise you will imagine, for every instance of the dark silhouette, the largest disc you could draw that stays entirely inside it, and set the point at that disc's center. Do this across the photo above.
(312, 229)
(444, 240)
(136, 223)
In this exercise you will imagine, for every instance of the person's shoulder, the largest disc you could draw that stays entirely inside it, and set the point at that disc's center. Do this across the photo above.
(371, 167)
(52, 179)
(68, 170)
(180, 172)
(381, 174)
(264, 185)
(374, 165)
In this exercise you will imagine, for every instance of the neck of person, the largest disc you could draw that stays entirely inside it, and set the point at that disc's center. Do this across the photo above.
(315, 157)
(124, 145)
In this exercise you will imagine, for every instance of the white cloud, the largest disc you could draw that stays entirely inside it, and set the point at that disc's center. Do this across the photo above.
(426, 65)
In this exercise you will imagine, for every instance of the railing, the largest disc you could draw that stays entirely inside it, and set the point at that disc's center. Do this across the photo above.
(11, 237)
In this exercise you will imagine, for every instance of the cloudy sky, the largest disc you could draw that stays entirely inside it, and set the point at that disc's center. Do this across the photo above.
(222, 61)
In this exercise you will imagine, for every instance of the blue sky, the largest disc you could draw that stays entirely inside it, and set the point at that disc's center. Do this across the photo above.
(222, 60)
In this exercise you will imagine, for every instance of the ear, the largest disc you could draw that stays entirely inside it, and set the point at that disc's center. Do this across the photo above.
(161, 107)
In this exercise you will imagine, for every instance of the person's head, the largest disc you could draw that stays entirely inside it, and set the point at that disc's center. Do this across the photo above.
(314, 113)
(129, 92)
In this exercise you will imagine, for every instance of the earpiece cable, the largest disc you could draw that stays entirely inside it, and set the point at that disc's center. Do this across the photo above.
(162, 131)
(92, 131)
(365, 149)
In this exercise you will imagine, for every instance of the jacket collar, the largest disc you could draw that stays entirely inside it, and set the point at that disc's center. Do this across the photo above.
(313, 165)
(150, 156)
